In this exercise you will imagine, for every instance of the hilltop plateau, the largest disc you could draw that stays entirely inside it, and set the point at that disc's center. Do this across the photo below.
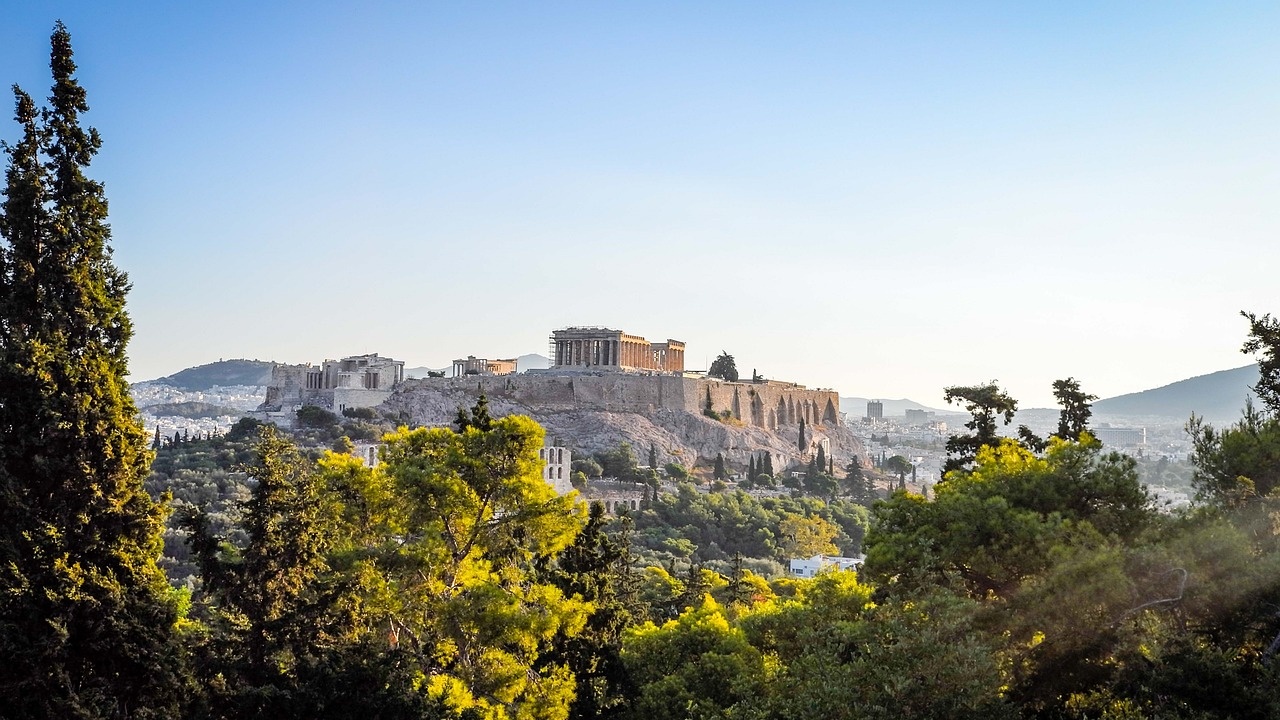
(595, 413)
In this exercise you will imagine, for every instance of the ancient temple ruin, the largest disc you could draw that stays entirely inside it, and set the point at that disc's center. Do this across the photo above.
(357, 381)
(472, 365)
(604, 349)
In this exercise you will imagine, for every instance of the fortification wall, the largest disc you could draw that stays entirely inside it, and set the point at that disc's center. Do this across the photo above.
(287, 384)
(765, 405)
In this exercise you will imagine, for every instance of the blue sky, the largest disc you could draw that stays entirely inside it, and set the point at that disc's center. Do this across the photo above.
(883, 198)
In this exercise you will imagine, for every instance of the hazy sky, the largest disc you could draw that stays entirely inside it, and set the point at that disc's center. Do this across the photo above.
(884, 198)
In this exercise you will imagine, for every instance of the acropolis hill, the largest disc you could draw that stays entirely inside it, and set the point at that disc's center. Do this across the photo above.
(593, 412)
(604, 387)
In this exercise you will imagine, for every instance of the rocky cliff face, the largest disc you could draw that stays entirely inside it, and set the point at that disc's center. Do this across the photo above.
(679, 435)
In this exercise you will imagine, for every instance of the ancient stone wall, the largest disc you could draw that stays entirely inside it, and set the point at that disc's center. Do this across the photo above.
(287, 384)
(765, 405)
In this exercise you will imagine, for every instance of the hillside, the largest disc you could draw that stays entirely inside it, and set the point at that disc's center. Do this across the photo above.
(678, 435)
(224, 373)
(1217, 396)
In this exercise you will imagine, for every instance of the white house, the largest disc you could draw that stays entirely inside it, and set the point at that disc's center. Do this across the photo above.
(810, 567)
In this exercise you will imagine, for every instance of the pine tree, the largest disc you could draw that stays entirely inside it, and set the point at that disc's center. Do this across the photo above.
(595, 567)
(86, 619)
(478, 418)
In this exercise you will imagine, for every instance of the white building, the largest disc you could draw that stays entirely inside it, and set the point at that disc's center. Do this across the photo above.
(811, 567)
(367, 452)
(557, 462)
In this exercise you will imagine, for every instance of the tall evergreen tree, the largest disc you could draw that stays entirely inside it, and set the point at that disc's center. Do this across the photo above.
(653, 456)
(822, 458)
(86, 619)
(1077, 408)
(718, 470)
(768, 463)
(801, 444)
(985, 403)
(751, 468)
(267, 601)
(595, 567)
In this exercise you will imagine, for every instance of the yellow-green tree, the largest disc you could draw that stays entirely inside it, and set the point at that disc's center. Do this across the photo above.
(802, 536)
(696, 666)
(442, 538)
(997, 524)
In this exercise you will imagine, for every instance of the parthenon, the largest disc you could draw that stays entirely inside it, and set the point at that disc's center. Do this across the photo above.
(605, 349)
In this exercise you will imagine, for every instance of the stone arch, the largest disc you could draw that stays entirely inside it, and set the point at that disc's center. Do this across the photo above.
(757, 410)
(780, 418)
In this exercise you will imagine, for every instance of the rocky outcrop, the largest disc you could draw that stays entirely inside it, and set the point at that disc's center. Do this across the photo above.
(593, 413)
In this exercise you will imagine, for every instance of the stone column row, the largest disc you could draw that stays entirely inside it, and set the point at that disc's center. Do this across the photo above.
(590, 352)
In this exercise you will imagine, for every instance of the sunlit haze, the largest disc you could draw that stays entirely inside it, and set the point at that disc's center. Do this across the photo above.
(881, 198)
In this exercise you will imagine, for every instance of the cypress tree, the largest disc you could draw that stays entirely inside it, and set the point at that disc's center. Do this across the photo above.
(653, 456)
(768, 463)
(822, 459)
(718, 470)
(751, 468)
(86, 616)
(801, 444)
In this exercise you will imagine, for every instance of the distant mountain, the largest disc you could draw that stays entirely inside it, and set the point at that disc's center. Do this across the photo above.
(1217, 396)
(223, 372)
(421, 372)
(533, 361)
(856, 407)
